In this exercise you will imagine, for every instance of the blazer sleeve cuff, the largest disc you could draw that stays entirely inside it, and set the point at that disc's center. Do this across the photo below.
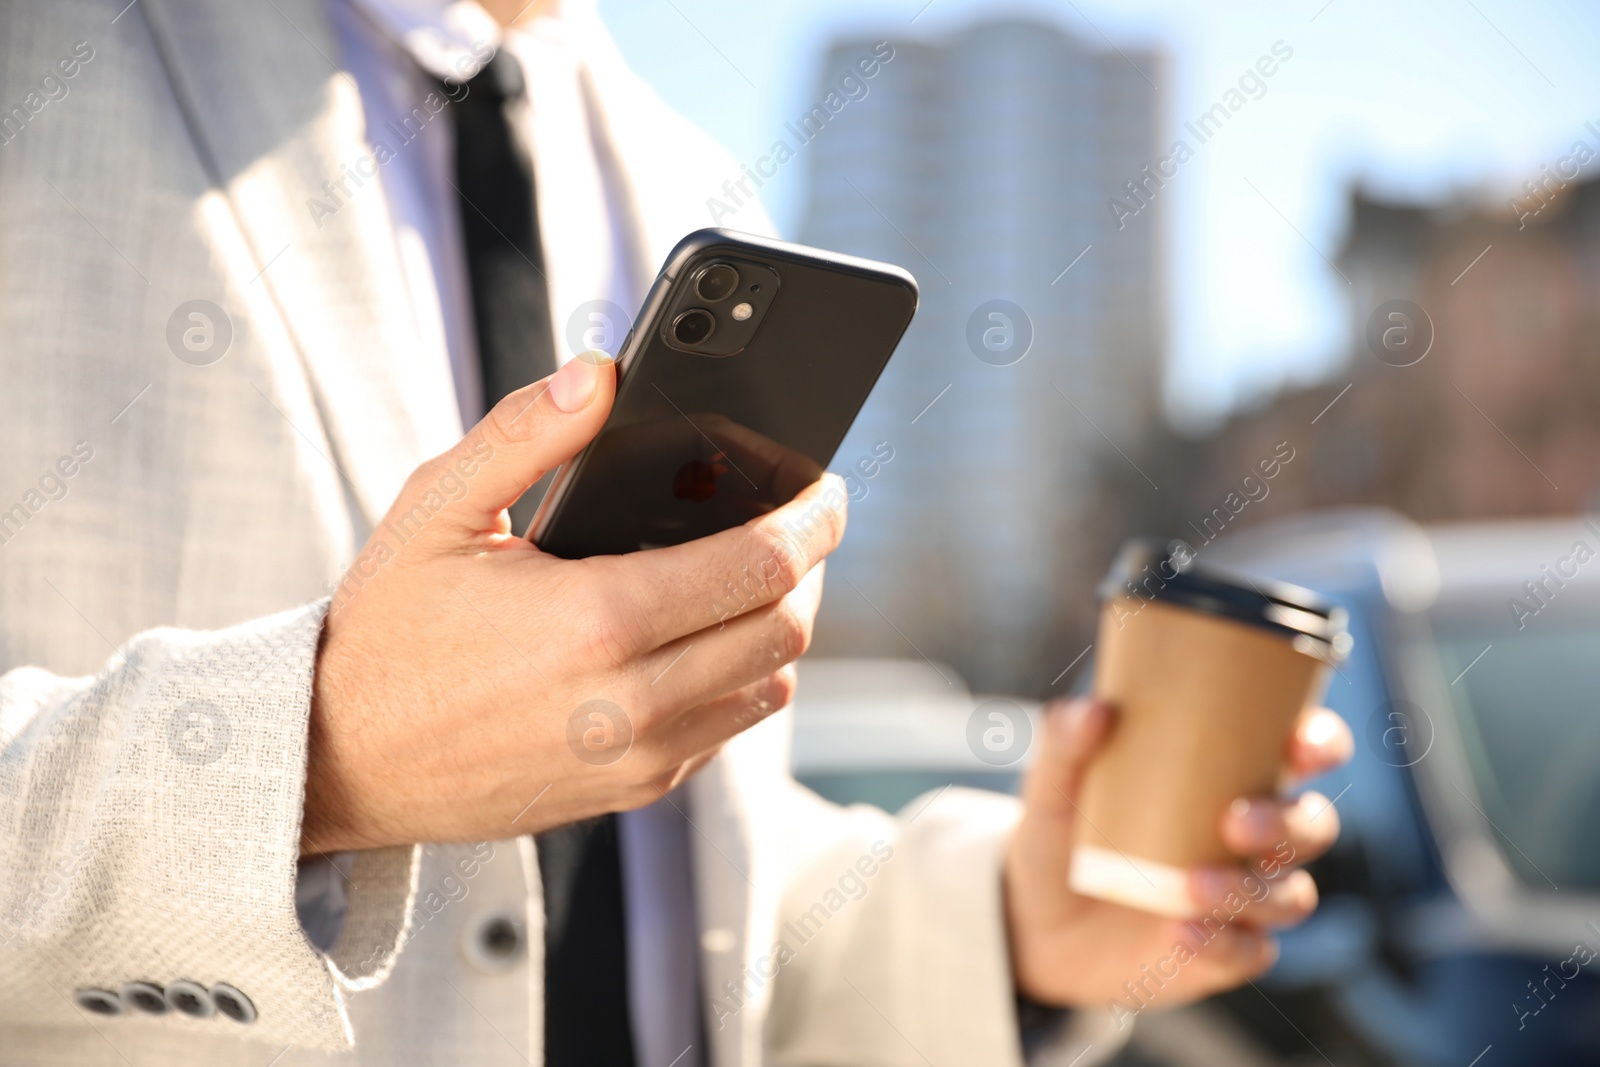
(176, 783)
(892, 942)
(959, 965)
(956, 842)
(380, 887)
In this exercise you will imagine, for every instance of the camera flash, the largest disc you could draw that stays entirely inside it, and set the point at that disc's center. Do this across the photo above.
(742, 311)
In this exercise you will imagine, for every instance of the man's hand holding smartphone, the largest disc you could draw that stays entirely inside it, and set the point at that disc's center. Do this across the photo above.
(458, 659)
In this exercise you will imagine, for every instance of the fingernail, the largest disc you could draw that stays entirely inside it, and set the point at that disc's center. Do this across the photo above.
(1068, 720)
(1255, 820)
(1300, 889)
(1211, 885)
(572, 387)
(1249, 948)
(1061, 720)
(1320, 730)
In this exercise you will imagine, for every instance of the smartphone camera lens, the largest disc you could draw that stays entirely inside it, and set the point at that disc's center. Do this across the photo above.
(693, 326)
(717, 282)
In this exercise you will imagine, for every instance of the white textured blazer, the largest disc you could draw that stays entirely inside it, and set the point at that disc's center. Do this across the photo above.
(169, 527)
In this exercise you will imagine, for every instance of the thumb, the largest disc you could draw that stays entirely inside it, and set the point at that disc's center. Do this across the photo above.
(1073, 732)
(529, 432)
(1041, 850)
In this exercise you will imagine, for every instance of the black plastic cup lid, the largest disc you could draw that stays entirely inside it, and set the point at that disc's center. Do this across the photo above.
(1148, 569)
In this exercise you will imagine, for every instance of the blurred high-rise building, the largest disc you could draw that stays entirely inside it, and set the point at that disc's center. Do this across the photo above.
(1495, 413)
(986, 162)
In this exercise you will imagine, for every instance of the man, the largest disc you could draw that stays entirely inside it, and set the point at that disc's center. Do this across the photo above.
(260, 262)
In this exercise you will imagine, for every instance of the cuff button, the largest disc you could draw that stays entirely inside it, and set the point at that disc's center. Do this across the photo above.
(495, 942)
(98, 1001)
(232, 1003)
(144, 997)
(190, 998)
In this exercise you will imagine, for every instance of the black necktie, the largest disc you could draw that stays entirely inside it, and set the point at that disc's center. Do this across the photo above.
(586, 1017)
(500, 232)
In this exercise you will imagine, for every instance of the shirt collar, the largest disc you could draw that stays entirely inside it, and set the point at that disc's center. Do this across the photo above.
(450, 39)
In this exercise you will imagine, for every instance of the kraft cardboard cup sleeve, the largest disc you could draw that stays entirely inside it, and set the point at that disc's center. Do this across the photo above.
(1209, 672)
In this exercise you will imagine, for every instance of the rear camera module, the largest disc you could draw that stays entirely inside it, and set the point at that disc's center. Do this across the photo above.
(693, 326)
(716, 282)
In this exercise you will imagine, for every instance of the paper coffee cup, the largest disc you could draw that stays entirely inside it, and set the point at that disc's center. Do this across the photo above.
(1208, 672)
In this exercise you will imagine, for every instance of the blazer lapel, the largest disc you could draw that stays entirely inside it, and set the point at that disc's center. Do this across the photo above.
(658, 199)
(667, 172)
(282, 130)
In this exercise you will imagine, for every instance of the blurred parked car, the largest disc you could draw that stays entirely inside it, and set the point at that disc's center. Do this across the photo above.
(1460, 922)
(885, 731)
(1461, 914)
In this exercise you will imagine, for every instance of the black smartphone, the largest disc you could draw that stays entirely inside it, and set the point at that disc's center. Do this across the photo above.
(746, 366)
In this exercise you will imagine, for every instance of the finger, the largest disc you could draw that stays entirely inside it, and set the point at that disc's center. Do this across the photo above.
(1321, 741)
(778, 470)
(708, 726)
(1073, 732)
(528, 433)
(1249, 898)
(685, 588)
(1223, 956)
(720, 659)
(687, 770)
(1302, 829)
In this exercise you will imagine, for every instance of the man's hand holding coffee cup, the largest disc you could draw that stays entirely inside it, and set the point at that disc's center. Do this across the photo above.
(1075, 950)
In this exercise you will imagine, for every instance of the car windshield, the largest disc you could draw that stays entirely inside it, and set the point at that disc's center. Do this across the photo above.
(1528, 701)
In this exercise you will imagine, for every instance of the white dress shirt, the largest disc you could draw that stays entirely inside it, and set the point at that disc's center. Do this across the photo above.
(397, 50)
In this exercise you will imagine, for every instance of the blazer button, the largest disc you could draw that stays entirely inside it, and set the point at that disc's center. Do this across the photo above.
(232, 1003)
(145, 997)
(99, 1001)
(190, 998)
(495, 943)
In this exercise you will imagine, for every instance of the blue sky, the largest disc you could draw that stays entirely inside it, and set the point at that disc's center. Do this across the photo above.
(1427, 98)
